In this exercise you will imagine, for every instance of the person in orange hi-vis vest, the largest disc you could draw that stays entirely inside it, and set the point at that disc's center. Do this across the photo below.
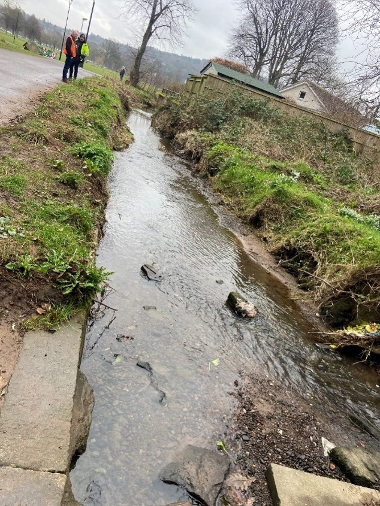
(70, 51)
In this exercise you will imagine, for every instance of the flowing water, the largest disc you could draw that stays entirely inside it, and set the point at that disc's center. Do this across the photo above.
(190, 345)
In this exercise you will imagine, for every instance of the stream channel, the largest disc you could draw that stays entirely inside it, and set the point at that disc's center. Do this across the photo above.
(195, 346)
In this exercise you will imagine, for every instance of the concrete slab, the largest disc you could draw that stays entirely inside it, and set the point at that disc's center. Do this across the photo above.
(31, 488)
(289, 487)
(36, 417)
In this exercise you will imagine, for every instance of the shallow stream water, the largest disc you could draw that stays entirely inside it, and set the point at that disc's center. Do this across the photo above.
(181, 326)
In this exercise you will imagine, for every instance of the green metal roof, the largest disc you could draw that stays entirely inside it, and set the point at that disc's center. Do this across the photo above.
(243, 78)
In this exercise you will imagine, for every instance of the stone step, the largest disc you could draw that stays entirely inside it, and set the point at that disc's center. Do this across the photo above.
(289, 487)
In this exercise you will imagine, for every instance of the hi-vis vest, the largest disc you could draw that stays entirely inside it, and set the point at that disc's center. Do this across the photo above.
(73, 47)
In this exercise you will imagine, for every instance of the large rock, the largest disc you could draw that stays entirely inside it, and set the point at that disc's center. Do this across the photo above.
(361, 466)
(241, 306)
(200, 471)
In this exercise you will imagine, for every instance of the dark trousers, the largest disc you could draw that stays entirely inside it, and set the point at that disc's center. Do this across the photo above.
(67, 66)
(74, 68)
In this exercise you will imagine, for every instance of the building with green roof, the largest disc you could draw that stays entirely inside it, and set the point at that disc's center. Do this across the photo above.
(216, 69)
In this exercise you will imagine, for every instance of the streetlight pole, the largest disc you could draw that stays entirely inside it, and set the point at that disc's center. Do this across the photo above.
(64, 33)
(89, 23)
(81, 28)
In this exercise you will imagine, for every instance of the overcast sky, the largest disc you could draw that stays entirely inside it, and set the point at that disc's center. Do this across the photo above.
(207, 35)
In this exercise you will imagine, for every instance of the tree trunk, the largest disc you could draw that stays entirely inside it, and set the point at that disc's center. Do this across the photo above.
(134, 75)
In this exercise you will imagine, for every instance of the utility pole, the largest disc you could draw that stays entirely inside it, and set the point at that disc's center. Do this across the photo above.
(64, 33)
(89, 23)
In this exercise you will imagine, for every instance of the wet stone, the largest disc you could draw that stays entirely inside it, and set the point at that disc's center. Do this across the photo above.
(150, 272)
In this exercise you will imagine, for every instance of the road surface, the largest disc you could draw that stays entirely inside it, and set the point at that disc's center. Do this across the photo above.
(24, 78)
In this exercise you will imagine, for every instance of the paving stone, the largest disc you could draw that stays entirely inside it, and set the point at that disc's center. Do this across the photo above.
(36, 417)
(289, 487)
(31, 488)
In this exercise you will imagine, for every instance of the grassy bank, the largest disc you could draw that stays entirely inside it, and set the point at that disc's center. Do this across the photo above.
(53, 169)
(314, 202)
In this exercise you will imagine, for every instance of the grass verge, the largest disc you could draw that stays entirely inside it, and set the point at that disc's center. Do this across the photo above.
(53, 170)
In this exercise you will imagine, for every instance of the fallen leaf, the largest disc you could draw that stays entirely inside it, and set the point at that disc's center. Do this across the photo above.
(238, 481)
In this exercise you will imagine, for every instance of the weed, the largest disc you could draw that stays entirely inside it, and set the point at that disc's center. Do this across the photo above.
(71, 178)
(83, 282)
(58, 164)
(98, 154)
(6, 229)
(24, 265)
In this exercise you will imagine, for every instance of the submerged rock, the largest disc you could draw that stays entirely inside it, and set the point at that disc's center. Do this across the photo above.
(200, 471)
(241, 306)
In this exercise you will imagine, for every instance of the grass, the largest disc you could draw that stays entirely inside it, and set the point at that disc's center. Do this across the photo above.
(53, 170)
(314, 201)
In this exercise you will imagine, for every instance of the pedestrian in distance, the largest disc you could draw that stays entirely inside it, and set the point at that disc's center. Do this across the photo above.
(122, 73)
(70, 51)
(82, 50)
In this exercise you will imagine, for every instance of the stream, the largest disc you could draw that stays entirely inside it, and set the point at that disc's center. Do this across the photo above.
(164, 355)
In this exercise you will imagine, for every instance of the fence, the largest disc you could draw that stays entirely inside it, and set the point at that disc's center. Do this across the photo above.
(365, 143)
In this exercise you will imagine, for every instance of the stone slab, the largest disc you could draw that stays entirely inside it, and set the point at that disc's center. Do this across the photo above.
(36, 417)
(362, 466)
(31, 488)
(289, 487)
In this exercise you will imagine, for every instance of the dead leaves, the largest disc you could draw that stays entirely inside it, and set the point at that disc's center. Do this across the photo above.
(236, 486)
(44, 308)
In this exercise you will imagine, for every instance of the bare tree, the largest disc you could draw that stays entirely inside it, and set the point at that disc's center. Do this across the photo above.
(10, 10)
(360, 20)
(284, 41)
(112, 54)
(160, 19)
(33, 30)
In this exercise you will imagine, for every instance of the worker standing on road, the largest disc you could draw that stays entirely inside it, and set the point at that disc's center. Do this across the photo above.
(70, 52)
(82, 50)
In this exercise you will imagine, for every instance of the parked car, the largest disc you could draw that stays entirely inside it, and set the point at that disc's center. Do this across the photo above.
(371, 128)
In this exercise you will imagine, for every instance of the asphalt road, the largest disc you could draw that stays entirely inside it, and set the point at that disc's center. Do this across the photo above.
(23, 78)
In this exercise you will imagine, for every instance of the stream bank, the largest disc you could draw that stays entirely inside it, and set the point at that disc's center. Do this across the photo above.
(177, 336)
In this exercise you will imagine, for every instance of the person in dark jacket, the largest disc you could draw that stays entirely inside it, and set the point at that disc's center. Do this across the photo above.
(122, 73)
(70, 51)
(82, 51)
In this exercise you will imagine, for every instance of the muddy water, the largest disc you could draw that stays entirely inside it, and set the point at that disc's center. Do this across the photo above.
(182, 328)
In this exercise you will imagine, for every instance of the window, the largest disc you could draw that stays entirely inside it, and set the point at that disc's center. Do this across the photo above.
(302, 95)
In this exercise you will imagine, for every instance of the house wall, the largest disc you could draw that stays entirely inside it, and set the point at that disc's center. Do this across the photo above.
(211, 71)
(310, 101)
(364, 142)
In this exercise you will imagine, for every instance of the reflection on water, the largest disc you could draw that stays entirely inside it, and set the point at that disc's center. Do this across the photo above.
(156, 215)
